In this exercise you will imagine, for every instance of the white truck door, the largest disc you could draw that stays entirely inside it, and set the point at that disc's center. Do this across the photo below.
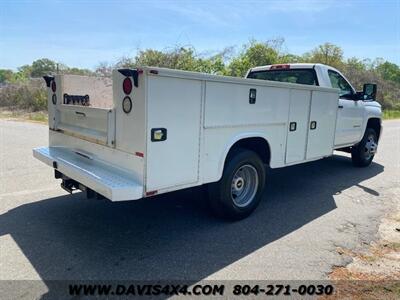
(173, 131)
(324, 106)
(298, 125)
(350, 113)
(349, 122)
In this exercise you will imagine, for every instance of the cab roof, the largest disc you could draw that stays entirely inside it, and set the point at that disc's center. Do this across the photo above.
(286, 66)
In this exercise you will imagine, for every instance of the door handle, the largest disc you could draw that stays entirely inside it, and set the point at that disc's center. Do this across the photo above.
(340, 106)
(313, 125)
(252, 96)
(292, 126)
(80, 113)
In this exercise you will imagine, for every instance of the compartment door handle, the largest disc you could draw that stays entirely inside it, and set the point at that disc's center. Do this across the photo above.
(80, 113)
(313, 125)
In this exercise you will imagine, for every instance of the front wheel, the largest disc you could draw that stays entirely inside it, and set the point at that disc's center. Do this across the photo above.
(363, 154)
(240, 189)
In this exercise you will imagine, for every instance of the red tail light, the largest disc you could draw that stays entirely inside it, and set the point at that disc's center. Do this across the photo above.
(151, 193)
(127, 85)
(53, 86)
(140, 154)
(277, 67)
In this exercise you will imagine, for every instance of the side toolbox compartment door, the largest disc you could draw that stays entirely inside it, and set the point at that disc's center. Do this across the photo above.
(299, 110)
(322, 124)
(173, 131)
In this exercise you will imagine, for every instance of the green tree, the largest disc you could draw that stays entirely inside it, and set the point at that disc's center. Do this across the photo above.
(253, 54)
(389, 71)
(43, 67)
(289, 58)
(356, 64)
(23, 74)
(182, 58)
(29, 93)
(6, 75)
(327, 53)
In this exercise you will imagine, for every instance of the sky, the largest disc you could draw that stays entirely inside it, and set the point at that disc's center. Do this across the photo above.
(85, 33)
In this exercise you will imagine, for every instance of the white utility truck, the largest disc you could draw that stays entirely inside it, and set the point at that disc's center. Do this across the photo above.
(151, 130)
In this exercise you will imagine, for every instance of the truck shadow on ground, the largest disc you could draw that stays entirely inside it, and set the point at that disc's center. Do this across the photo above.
(171, 236)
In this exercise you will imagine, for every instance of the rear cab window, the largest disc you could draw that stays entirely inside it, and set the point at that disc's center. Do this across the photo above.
(299, 76)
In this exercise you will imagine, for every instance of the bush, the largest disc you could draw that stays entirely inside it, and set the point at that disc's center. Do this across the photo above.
(30, 95)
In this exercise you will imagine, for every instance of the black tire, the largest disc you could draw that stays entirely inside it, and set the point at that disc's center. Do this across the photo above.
(225, 194)
(363, 154)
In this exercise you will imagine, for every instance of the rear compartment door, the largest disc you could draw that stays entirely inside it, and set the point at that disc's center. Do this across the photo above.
(173, 131)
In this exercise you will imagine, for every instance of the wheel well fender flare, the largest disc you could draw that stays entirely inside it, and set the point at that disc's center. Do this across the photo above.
(374, 123)
(241, 137)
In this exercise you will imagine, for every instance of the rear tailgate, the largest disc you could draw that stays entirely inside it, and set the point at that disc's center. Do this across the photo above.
(83, 108)
(93, 124)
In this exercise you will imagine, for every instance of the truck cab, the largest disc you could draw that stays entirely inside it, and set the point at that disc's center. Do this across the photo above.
(356, 110)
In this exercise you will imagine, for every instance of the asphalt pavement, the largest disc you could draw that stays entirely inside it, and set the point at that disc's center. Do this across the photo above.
(307, 212)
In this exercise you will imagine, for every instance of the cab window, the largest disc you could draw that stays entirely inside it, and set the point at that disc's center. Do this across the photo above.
(338, 82)
(300, 76)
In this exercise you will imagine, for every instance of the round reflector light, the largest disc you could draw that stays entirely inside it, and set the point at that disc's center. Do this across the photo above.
(53, 86)
(127, 105)
(127, 85)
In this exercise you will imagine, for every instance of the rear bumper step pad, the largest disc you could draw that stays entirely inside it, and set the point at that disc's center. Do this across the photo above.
(109, 181)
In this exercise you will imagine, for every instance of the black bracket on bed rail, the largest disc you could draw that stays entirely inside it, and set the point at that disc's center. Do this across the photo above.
(48, 80)
(131, 73)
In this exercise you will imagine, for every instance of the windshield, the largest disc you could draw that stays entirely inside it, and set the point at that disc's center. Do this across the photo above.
(300, 76)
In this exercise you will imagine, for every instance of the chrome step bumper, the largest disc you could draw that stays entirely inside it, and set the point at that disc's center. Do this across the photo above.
(104, 179)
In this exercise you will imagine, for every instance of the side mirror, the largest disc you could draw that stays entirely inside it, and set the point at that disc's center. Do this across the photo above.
(369, 91)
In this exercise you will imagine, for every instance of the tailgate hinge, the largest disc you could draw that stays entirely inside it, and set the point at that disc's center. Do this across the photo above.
(48, 80)
(131, 73)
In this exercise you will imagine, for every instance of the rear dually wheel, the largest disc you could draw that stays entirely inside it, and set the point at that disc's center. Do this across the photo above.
(239, 191)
